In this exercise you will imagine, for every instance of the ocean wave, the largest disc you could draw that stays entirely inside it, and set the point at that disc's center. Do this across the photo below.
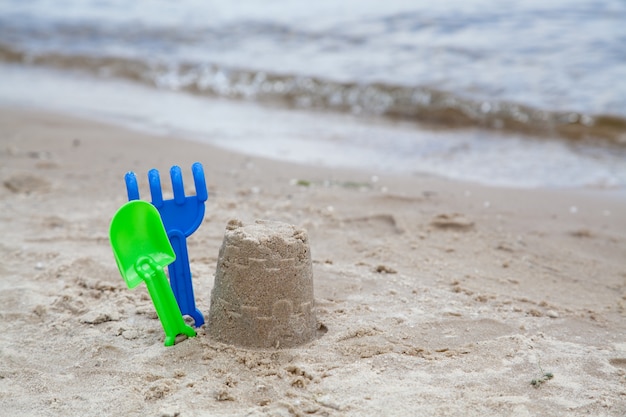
(419, 104)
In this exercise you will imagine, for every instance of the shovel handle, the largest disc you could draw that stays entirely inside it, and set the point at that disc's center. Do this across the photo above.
(163, 299)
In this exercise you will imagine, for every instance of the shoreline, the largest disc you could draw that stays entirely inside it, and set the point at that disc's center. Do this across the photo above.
(439, 296)
(321, 139)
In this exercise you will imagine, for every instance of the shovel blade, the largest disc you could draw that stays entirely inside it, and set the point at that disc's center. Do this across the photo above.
(137, 230)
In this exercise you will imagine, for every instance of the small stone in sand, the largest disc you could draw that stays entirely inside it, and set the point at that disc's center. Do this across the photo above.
(384, 269)
(552, 314)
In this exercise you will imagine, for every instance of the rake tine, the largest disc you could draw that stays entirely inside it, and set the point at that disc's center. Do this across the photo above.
(155, 188)
(198, 178)
(132, 188)
(177, 185)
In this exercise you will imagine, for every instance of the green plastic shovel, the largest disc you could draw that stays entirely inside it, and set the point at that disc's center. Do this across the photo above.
(142, 249)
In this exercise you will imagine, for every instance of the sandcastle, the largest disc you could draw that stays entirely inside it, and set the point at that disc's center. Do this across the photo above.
(263, 291)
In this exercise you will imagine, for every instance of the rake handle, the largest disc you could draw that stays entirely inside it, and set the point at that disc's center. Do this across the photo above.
(180, 278)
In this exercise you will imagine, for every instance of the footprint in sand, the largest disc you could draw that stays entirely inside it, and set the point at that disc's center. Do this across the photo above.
(26, 184)
(618, 362)
(454, 221)
(380, 224)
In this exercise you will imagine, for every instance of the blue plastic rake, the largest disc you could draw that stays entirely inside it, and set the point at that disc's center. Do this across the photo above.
(181, 217)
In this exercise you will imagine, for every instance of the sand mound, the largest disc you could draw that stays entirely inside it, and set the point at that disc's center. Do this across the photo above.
(263, 293)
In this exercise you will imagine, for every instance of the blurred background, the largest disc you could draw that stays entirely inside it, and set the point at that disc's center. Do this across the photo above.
(525, 94)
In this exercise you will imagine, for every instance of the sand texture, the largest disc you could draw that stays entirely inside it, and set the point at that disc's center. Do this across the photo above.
(263, 290)
(436, 298)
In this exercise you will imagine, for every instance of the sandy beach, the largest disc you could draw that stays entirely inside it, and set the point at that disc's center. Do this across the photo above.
(433, 297)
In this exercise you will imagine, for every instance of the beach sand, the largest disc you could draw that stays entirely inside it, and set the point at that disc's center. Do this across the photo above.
(435, 297)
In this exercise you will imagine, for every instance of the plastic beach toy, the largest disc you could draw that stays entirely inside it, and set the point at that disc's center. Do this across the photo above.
(181, 216)
(141, 250)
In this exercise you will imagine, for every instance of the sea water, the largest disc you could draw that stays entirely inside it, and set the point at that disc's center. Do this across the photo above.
(509, 93)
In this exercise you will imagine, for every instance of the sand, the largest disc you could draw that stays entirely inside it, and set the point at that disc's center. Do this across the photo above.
(263, 289)
(436, 297)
